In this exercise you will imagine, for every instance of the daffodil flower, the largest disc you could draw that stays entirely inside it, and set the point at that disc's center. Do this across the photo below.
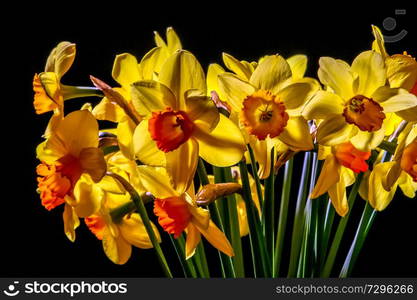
(177, 211)
(341, 162)
(119, 234)
(401, 72)
(50, 93)
(380, 185)
(181, 122)
(127, 70)
(355, 105)
(69, 158)
(268, 97)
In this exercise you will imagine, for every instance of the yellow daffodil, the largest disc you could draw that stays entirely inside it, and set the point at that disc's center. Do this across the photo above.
(401, 72)
(178, 212)
(381, 184)
(181, 122)
(355, 105)
(268, 98)
(50, 93)
(341, 162)
(68, 154)
(119, 233)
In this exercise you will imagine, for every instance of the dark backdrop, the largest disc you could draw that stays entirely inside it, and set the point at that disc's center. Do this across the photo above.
(32, 239)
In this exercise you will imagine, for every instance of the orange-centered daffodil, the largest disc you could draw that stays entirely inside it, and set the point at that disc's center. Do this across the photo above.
(70, 151)
(355, 106)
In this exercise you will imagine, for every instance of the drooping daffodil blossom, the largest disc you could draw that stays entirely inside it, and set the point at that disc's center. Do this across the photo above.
(341, 162)
(355, 104)
(70, 158)
(178, 212)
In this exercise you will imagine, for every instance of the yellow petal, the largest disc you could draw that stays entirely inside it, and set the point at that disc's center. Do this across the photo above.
(180, 73)
(109, 111)
(217, 238)
(88, 197)
(181, 165)
(125, 69)
(367, 141)
(78, 130)
(151, 63)
(323, 105)
(262, 153)
(337, 75)
(407, 185)
(134, 232)
(145, 147)
(401, 71)
(201, 109)
(125, 131)
(61, 59)
(71, 222)
(234, 65)
(378, 44)
(200, 216)
(296, 94)
(214, 70)
(173, 40)
(378, 197)
(193, 238)
(156, 181)
(370, 67)
(270, 73)
(224, 146)
(151, 96)
(334, 130)
(298, 65)
(337, 194)
(399, 102)
(329, 176)
(409, 115)
(235, 89)
(92, 161)
(296, 134)
(116, 248)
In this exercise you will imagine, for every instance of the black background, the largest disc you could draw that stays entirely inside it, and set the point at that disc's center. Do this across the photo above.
(32, 239)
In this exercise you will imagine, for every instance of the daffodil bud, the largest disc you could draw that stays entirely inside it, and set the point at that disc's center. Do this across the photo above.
(210, 192)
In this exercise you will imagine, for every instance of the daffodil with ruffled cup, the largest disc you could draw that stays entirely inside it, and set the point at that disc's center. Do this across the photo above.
(354, 106)
(181, 122)
(268, 102)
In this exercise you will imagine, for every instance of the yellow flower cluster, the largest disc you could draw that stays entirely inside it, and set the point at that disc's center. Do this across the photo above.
(168, 113)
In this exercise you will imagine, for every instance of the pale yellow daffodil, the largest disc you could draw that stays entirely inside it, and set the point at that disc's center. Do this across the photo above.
(355, 105)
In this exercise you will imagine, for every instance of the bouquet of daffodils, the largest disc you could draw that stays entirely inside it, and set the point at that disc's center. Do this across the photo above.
(197, 154)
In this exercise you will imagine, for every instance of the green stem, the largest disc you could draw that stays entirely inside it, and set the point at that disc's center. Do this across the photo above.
(327, 227)
(140, 207)
(328, 266)
(225, 261)
(367, 219)
(298, 226)
(234, 229)
(201, 260)
(282, 219)
(268, 209)
(256, 176)
(71, 92)
(179, 246)
(260, 256)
